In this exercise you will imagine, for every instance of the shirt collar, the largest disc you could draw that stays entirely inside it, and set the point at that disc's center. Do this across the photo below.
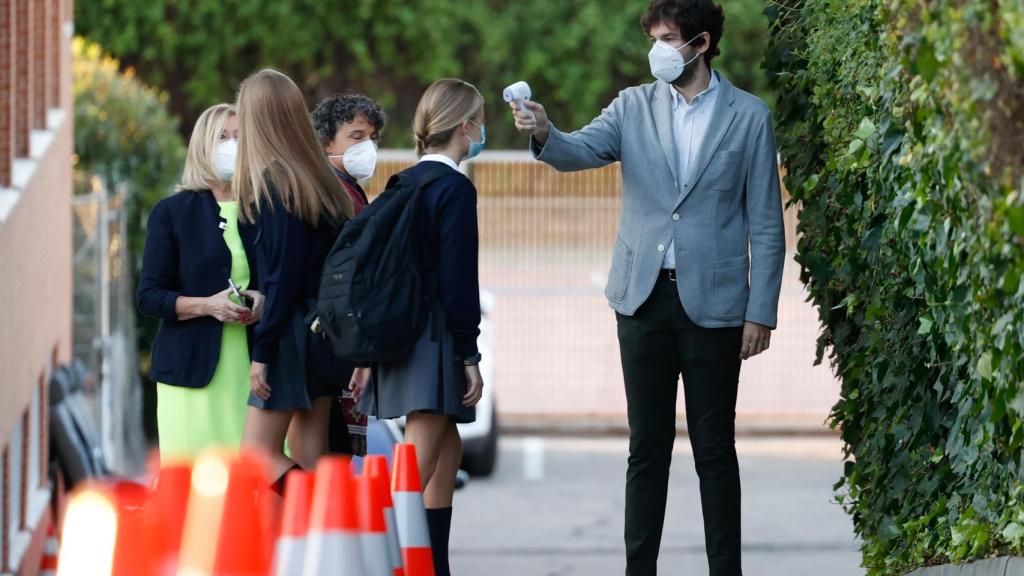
(440, 158)
(677, 98)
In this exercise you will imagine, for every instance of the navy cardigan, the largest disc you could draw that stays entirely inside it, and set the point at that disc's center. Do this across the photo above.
(185, 255)
(449, 219)
(290, 255)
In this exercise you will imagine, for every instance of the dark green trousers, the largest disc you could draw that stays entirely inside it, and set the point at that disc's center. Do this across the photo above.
(658, 344)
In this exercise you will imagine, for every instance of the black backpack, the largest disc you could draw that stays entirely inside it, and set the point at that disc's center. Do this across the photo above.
(375, 289)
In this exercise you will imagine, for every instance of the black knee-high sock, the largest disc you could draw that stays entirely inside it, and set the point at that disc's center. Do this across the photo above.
(278, 486)
(439, 521)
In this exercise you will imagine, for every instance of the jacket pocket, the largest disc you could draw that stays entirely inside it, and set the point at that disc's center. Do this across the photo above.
(622, 266)
(724, 172)
(731, 287)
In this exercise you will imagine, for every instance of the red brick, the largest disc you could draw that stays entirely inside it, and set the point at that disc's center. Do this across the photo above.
(23, 96)
(6, 90)
(54, 46)
(40, 62)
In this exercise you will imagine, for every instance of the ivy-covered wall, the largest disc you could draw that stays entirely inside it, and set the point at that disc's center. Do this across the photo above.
(901, 123)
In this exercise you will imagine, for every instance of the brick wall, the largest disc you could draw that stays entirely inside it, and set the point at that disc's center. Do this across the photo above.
(7, 35)
(35, 256)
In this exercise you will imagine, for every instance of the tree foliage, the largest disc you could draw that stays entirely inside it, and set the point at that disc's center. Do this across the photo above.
(901, 128)
(123, 132)
(576, 54)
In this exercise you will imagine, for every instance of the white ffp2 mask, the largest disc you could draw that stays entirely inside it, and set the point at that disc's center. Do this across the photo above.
(224, 159)
(360, 160)
(667, 63)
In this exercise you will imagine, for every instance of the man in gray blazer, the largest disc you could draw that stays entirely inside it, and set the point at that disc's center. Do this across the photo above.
(696, 268)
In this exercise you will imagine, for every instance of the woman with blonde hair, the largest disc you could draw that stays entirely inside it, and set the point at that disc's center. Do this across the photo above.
(194, 246)
(438, 384)
(286, 188)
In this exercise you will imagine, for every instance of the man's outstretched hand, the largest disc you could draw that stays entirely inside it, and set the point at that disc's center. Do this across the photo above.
(535, 124)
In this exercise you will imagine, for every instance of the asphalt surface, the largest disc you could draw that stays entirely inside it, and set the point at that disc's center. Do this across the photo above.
(555, 507)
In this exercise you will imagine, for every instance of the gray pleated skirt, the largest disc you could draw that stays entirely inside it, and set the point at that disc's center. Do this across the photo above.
(431, 379)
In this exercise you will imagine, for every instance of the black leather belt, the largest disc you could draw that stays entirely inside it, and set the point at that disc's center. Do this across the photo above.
(669, 273)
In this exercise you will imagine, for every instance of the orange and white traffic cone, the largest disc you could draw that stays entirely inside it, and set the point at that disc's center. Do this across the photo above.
(373, 529)
(290, 551)
(407, 492)
(376, 467)
(164, 522)
(225, 527)
(48, 563)
(332, 546)
(102, 531)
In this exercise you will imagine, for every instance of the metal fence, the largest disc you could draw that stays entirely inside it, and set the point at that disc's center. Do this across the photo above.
(104, 319)
(546, 240)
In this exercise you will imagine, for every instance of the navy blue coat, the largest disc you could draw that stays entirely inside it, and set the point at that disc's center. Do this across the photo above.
(290, 255)
(449, 221)
(185, 255)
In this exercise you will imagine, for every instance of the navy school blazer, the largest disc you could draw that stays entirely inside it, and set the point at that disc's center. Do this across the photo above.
(185, 255)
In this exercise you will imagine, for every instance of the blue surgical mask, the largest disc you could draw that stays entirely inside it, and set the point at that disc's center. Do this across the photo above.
(476, 148)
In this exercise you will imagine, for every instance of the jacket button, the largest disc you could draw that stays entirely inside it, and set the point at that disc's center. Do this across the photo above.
(675, 216)
(661, 247)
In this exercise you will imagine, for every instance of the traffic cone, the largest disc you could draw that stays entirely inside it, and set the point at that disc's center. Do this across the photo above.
(290, 551)
(373, 529)
(165, 516)
(48, 563)
(377, 468)
(413, 534)
(332, 546)
(225, 528)
(101, 531)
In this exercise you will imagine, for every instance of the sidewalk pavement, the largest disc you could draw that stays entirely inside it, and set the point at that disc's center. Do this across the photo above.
(555, 507)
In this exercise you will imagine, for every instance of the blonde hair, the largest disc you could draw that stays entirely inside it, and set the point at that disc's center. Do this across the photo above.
(200, 171)
(277, 147)
(444, 107)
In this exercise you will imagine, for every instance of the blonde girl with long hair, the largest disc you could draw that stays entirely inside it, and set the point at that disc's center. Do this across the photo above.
(438, 384)
(194, 245)
(287, 190)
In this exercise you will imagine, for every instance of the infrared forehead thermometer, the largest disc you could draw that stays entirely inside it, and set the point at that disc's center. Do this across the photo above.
(517, 93)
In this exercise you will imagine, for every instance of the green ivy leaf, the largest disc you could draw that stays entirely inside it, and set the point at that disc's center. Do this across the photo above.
(926, 325)
(866, 130)
(1015, 215)
(985, 365)
(927, 63)
(1013, 532)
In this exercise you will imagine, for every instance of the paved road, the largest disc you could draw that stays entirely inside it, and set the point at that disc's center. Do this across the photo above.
(569, 522)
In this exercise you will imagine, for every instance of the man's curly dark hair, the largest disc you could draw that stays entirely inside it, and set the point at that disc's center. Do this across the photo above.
(691, 17)
(340, 109)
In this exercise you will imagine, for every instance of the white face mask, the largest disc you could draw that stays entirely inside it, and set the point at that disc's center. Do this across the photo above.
(360, 160)
(224, 159)
(667, 63)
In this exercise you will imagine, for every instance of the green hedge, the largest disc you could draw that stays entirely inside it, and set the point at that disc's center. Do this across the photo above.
(576, 54)
(901, 128)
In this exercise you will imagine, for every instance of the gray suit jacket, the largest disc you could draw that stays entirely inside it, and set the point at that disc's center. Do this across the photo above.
(725, 215)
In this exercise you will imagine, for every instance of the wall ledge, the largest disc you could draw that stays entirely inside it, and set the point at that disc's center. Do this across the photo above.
(1003, 566)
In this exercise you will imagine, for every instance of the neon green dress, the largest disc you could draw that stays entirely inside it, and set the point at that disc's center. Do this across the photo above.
(190, 420)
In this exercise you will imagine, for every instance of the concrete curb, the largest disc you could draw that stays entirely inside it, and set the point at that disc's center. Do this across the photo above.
(1005, 566)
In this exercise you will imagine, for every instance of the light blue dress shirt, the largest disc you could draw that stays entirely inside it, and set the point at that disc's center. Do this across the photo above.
(690, 123)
